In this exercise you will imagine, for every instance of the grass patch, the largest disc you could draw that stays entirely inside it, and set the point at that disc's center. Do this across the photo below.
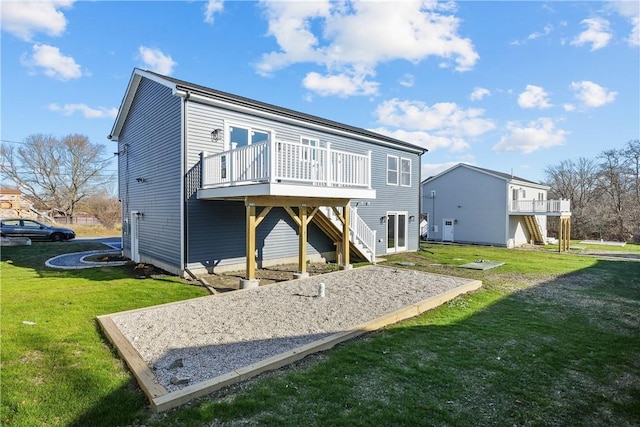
(57, 368)
(551, 339)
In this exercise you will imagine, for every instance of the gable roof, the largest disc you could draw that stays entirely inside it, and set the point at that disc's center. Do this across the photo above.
(505, 176)
(184, 87)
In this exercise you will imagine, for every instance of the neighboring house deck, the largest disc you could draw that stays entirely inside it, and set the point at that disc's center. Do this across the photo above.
(210, 181)
(471, 204)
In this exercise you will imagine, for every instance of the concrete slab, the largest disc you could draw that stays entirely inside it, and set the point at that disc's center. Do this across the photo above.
(603, 242)
(482, 265)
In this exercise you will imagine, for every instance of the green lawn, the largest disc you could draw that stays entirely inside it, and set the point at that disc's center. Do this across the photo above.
(61, 370)
(550, 339)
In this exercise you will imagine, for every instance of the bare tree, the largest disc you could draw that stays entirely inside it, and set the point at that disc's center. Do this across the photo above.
(631, 154)
(577, 181)
(105, 208)
(614, 184)
(56, 173)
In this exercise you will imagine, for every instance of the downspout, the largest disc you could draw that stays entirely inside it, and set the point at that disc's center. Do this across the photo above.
(184, 206)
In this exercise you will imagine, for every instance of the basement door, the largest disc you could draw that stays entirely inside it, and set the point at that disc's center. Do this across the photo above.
(396, 231)
(134, 217)
(447, 230)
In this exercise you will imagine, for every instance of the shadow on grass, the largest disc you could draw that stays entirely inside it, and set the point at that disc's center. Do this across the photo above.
(563, 352)
(34, 256)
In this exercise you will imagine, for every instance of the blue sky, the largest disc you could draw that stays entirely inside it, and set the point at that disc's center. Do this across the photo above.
(506, 85)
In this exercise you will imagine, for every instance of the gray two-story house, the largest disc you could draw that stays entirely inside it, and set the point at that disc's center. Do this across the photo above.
(212, 182)
(469, 204)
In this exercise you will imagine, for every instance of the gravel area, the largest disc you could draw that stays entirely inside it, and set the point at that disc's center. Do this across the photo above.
(195, 340)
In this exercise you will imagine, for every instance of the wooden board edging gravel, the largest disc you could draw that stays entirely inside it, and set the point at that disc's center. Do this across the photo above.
(162, 400)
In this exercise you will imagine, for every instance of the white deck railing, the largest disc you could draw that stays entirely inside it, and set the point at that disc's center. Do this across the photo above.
(280, 161)
(361, 235)
(540, 206)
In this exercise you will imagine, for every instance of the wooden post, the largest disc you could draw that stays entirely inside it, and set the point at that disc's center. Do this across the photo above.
(560, 235)
(302, 242)
(251, 241)
(345, 235)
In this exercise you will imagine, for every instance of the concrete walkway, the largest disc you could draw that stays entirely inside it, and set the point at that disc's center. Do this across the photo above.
(77, 260)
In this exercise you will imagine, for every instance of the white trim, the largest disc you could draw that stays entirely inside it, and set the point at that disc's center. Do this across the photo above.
(280, 189)
(395, 247)
(400, 173)
(397, 169)
(298, 122)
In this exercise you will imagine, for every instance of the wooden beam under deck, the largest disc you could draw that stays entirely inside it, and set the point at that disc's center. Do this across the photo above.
(302, 219)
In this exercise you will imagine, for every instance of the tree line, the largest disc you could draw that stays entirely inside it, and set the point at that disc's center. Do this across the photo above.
(604, 193)
(63, 175)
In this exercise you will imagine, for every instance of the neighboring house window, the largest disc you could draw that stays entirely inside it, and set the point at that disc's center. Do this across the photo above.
(392, 170)
(308, 154)
(245, 135)
(541, 197)
(405, 172)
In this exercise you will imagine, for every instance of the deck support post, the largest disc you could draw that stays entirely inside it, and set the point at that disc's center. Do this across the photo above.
(564, 233)
(345, 237)
(302, 242)
(251, 241)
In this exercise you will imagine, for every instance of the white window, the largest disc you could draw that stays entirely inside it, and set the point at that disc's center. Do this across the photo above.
(405, 172)
(309, 153)
(247, 135)
(392, 170)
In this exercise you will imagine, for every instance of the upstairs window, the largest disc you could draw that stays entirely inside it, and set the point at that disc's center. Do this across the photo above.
(405, 172)
(307, 153)
(392, 170)
(245, 135)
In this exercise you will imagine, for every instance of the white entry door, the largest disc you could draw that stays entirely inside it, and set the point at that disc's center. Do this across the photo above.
(134, 217)
(447, 230)
(396, 231)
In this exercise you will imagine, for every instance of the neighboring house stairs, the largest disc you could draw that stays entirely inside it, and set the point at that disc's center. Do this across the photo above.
(362, 239)
(534, 229)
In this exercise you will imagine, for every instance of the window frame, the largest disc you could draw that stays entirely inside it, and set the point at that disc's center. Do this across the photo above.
(250, 130)
(396, 171)
(403, 174)
(307, 141)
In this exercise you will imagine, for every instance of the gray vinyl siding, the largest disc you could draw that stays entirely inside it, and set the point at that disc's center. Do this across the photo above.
(477, 201)
(216, 229)
(152, 137)
(214, 239)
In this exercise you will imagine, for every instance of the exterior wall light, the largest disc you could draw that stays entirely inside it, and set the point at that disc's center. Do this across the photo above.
(216, 134)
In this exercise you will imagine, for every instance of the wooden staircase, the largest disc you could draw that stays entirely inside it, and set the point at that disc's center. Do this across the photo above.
(534, 229)
(326, 220)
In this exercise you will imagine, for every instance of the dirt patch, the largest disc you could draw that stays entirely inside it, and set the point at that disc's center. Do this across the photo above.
(280, 273)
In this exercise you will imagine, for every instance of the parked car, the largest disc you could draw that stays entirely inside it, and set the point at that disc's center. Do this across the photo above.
(34, 230)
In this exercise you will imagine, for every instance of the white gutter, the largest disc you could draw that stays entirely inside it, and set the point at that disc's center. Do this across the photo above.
(273, 116)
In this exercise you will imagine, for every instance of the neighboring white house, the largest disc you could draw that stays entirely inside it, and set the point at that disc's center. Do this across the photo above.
(469, 204)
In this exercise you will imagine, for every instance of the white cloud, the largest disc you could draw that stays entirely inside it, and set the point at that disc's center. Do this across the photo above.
(631, 11)
(25, 18)
(534, 97)
(479, 93)
(569, 107)
(433, 169)
(87, 112)
(545, 32)
(53, 62)
(430, 141)
(348, 38)
(156, 61)
(592, 94)
(442, 125)
(211, 8)
(340, 84)
(541, 133)
(597, 33)
(408, 80)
